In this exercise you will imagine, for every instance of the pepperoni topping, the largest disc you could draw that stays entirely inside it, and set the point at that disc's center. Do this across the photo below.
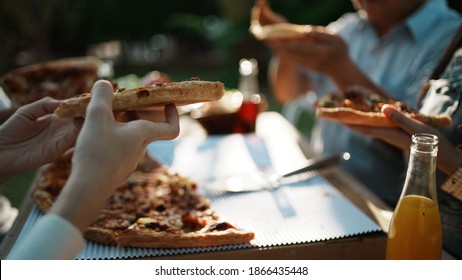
(220, 226)
(143, 93)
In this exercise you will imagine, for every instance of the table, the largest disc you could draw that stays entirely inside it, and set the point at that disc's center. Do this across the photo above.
(271, 125)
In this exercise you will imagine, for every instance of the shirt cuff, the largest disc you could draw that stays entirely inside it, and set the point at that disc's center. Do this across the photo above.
(52, 237)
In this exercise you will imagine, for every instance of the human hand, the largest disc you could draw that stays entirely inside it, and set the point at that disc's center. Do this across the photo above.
(319, 51)
(399, 136)
(449, 157)
(33, 136)
(104, 143)
(106, 152)
(262, 14)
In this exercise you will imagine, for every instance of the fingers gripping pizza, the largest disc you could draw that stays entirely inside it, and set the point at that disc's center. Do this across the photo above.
(152, 208)
(358, 109)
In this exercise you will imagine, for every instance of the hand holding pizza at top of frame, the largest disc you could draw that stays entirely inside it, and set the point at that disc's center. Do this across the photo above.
(266, 24)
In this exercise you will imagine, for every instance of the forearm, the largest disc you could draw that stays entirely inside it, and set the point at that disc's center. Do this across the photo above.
(449, 157)
(51, 238)
(346, 74)
(452, 165)
(286, 81)
(82, 198)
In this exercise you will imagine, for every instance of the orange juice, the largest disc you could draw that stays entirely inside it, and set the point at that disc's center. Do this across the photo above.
(415, 230)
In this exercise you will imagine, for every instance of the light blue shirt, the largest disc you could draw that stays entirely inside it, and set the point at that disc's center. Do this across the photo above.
(399, 62)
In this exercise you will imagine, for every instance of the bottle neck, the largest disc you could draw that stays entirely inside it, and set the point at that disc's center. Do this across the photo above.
(248, 81)
(421, 173)
(248, 85)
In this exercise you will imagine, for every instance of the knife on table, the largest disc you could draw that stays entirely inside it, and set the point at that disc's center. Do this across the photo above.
(305, 172)
(264, 181)
(317, 163)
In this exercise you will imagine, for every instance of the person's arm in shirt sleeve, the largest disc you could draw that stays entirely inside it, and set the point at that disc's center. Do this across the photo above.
(52, 237)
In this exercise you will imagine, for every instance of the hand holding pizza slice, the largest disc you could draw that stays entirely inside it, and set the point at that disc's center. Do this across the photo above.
(266, 24)
(355, 108)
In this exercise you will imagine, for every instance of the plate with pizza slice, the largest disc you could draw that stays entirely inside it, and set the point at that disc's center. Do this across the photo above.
(356, 108)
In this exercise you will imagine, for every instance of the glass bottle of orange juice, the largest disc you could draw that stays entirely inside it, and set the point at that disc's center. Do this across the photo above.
(415, 228)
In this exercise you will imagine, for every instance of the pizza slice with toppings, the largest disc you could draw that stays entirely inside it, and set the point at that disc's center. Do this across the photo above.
(59, 79)
(355, 108)
(152, 208)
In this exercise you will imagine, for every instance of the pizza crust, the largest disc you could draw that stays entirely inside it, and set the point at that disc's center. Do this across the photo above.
(273, 27)
(283, 30)
(43, 200)
(180, 93)
(352, 116)
(101, 235)
(279, 30)
(147, 238)
(437, 121)
(154, 239)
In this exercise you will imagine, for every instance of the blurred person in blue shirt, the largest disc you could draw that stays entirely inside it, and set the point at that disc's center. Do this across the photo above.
(388, 46)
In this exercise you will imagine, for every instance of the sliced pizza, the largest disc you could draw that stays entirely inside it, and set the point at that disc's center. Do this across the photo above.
(265, 24)
(279, 30)
(160, 94)
(359, 109)
(152, 208)
(59, 79)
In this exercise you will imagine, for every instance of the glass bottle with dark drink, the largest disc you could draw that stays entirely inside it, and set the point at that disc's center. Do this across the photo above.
(249, 87)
